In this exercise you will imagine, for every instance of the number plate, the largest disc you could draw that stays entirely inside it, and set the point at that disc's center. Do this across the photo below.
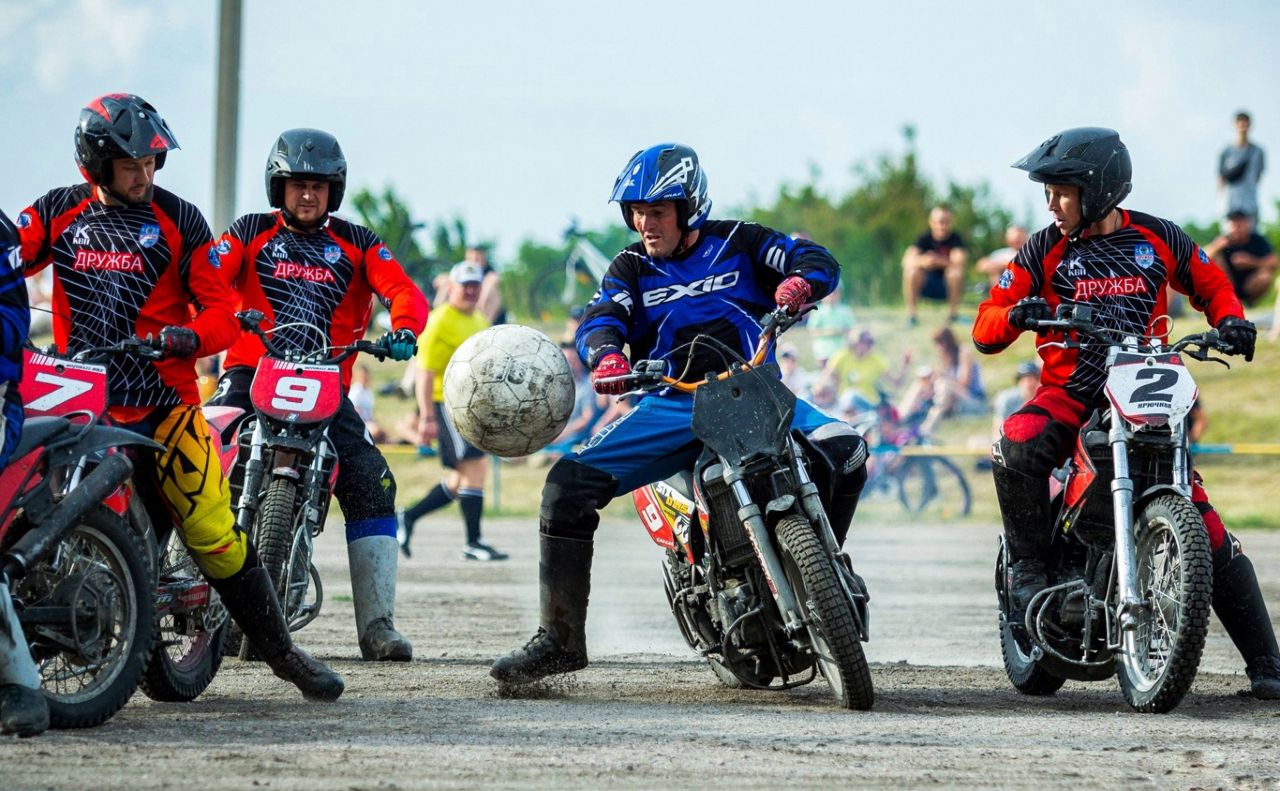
(1152, 389)
(296, 393)
(51, 386)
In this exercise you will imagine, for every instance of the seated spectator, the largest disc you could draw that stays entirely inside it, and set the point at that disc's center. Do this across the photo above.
(954, 386)
(588, 407)
(1246, 256)
(823, 393)
(828, 326)
(793, 376)
(993, 265)
(933, 267)
(362, 399)
(1011, 399)
(859, 372)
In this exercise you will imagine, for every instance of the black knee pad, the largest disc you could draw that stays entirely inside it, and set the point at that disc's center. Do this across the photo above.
(572, 498)
(365, 488)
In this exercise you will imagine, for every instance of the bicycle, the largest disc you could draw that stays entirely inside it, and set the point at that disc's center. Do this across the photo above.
(584, 268)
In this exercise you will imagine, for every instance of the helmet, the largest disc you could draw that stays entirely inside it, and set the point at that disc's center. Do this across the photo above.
(119, 126)
(665, 172)
(1089, 157)
(306, 154)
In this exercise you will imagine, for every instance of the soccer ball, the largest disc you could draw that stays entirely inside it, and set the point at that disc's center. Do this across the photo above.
(508, 390)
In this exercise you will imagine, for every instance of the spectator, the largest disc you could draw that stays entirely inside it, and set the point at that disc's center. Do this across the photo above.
(1011, 399)
(490, 302)
(858, 372)
(993, 265)
(571, 324)
(828, 326)
(362, 398)
(1246, 256)
(447, 327)
(588, 406)
(793, 376)
(1240, 166)
(933, 267)
(954, 387)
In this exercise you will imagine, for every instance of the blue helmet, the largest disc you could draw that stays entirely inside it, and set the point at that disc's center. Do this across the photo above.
(665, 172)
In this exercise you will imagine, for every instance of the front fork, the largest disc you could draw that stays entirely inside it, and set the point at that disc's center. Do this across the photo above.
(1126, 550)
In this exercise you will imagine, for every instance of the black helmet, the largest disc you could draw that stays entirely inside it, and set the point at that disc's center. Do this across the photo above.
(119, 126)
(1089, 157)
(306, 154)
(665, 172)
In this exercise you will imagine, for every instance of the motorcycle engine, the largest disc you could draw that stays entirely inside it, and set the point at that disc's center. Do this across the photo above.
(734, 600)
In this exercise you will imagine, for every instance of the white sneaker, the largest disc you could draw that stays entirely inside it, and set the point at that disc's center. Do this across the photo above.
(402, 533)
(478, 550)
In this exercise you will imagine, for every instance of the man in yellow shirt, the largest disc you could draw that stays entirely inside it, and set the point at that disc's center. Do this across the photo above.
(447, 327)
(857, 370)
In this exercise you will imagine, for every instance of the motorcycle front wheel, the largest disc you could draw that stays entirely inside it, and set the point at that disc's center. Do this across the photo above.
(188, 645)
(828, 613)
(1175, 580)
(273, 536)
(91, 662)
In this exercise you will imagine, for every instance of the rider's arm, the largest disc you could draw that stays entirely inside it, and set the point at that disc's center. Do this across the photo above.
(606, 325)
(15, 315)
(1023, 277)
(777, 256)
(404, 300)
(215, 322)
(1207, 287)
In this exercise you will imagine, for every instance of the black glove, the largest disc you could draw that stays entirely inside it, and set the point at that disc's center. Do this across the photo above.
(179, 341)
(1240, 335)
(1028, 312)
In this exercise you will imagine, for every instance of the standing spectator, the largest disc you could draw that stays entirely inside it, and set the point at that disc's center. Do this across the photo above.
(1246, 256)
(1240, 166)
(933, 267)
(447, 327)
(490, 302)
(993, 265)
(829, 326)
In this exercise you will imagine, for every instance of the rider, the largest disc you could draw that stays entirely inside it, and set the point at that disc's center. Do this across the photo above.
(314, 276)
(132, 259)
(688, 275)
(23, 709)
(1118, 262)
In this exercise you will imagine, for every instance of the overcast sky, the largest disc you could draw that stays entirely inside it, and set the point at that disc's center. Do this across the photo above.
(518, 115)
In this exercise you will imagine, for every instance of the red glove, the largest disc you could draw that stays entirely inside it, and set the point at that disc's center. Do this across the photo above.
(793, 293)
(611, 365)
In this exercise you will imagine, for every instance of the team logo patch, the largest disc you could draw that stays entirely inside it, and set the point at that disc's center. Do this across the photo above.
(80, 234)
(223, 247)
(214, 260)
(148, 235)
(24, 220)
(1075, 268)
(1006, 279)
(1144, 255)
(332, 253)
(278, 250)
(1204, 259)
(384, 253)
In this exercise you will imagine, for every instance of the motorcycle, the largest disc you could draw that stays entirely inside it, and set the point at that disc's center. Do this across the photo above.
(189, 619)
(79, 580)
(290, 466)
(759, 587)
(1129, 566)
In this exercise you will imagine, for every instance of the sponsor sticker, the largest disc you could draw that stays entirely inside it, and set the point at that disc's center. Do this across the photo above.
(1109, 287)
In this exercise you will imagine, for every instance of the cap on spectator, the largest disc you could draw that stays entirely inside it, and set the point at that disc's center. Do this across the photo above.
(1236, 214)
(577, 312)
(866, 338)
(788, 351)
(466, 272)
(1027, 369)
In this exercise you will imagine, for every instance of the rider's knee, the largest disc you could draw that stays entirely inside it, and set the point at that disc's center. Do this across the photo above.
(572, 498)
(365, 488)
(1031, 442)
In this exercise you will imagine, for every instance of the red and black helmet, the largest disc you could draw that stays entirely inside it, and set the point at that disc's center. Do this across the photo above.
(119, 126)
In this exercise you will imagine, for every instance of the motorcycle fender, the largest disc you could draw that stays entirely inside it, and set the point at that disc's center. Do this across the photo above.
(100, 438)
(1152, 493)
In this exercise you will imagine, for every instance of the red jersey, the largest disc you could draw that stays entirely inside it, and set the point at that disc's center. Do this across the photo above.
(1121, 275)
(120, 271)
(317, 289)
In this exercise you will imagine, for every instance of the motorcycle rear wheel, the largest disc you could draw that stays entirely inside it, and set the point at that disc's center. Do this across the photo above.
(1025, 674)
(91, 668)
(272, 536)
(1175, 576)
(828, 612)
(188, 647)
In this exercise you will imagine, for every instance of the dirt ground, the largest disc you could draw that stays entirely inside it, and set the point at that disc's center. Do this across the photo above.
(648, 714)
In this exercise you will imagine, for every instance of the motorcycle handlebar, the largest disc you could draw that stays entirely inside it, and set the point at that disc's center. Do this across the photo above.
(251, 321)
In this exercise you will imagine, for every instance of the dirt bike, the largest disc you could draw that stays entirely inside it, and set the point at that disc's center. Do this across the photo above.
(80, 582)
(290, 466)
(752, 570)
(1130, 571)
(189, 619)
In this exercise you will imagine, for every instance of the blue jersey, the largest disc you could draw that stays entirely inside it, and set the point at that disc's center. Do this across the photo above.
(719, 287)
(15, 321)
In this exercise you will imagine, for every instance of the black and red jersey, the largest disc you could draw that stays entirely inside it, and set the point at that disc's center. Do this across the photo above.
(1121, 275)
(316, 289)
(120, 271)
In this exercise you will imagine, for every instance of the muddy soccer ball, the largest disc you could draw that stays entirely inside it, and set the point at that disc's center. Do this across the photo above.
(508, 390)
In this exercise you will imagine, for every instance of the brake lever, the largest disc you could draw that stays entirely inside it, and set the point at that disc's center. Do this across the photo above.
(1202, 354)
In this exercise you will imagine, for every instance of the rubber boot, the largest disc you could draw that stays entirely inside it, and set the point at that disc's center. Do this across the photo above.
(23, 708)
(1024, 509)
(1237, 601)
(373, 562)
(560, 644)
(250, 598)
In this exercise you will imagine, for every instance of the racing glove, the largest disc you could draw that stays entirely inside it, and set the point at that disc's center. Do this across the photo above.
(1028, 312)
(402, 344)
(611, 365)
(178, 341)
(1240, 335)
(792, 293)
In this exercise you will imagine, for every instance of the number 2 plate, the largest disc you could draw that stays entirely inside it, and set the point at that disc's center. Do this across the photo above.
(1151, 390)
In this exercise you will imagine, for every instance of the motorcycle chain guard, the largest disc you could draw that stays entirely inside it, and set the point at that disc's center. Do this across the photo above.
(726, 414)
